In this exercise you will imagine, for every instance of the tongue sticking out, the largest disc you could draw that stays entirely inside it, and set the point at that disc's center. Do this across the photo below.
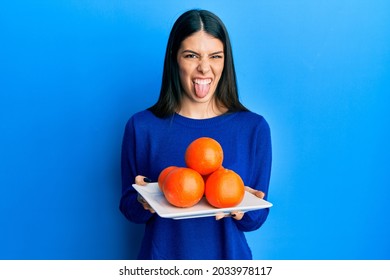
(201, 90)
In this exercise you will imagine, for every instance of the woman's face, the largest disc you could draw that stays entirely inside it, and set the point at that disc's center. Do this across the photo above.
(201, 62)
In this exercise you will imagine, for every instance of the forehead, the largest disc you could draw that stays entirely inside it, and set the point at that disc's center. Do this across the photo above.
(202, 41)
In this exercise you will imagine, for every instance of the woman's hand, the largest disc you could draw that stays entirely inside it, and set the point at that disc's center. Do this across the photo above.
(143, 181)
(237, 215)
(257, 193)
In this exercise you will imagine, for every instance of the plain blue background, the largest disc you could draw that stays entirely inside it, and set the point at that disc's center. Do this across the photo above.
(73, 72)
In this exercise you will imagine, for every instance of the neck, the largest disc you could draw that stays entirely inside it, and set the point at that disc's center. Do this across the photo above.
(201, 110)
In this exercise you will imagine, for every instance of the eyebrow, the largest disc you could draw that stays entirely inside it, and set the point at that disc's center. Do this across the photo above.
(190, 51)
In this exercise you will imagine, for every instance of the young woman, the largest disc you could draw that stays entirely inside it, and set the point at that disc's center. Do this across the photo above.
(198, 98)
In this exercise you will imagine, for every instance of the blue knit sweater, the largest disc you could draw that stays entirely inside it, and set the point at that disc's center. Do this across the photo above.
(150, 144)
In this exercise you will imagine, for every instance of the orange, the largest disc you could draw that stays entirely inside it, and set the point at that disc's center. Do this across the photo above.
(205, 177)
(163, 175)
(204, 155)
(224, 188)
(183, 187)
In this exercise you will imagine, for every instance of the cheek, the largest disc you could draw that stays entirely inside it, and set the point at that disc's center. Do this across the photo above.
(221, 69)
(185, 76)
(219, 73)
(185, 81)
(218, 70)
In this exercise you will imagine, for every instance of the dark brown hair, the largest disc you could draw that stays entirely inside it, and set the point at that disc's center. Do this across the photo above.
(171, 91)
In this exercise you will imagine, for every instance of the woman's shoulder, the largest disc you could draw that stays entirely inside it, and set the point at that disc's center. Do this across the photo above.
(143, 116)
(250, 117)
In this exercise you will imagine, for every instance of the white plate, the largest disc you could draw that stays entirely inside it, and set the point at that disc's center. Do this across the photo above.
(153, 195)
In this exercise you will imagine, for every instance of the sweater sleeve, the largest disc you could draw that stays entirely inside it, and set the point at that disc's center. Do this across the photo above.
(129, 206)
(253, 220)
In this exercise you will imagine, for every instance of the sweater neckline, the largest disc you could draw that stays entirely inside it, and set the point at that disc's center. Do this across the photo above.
(214, 121)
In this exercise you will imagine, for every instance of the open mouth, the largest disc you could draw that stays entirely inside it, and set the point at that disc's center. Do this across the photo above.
(202, 87)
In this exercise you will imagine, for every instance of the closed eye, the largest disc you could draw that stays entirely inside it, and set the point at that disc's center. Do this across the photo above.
(217, 55)
(190, 55)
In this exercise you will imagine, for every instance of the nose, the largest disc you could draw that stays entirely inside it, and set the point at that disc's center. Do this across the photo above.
(204, 66)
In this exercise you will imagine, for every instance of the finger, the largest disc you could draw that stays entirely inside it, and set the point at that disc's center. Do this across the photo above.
(237, 215)
(219, 216)
(141, 199)
(147, 207)
(140, 180)
(145, 204)
(257, 193)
